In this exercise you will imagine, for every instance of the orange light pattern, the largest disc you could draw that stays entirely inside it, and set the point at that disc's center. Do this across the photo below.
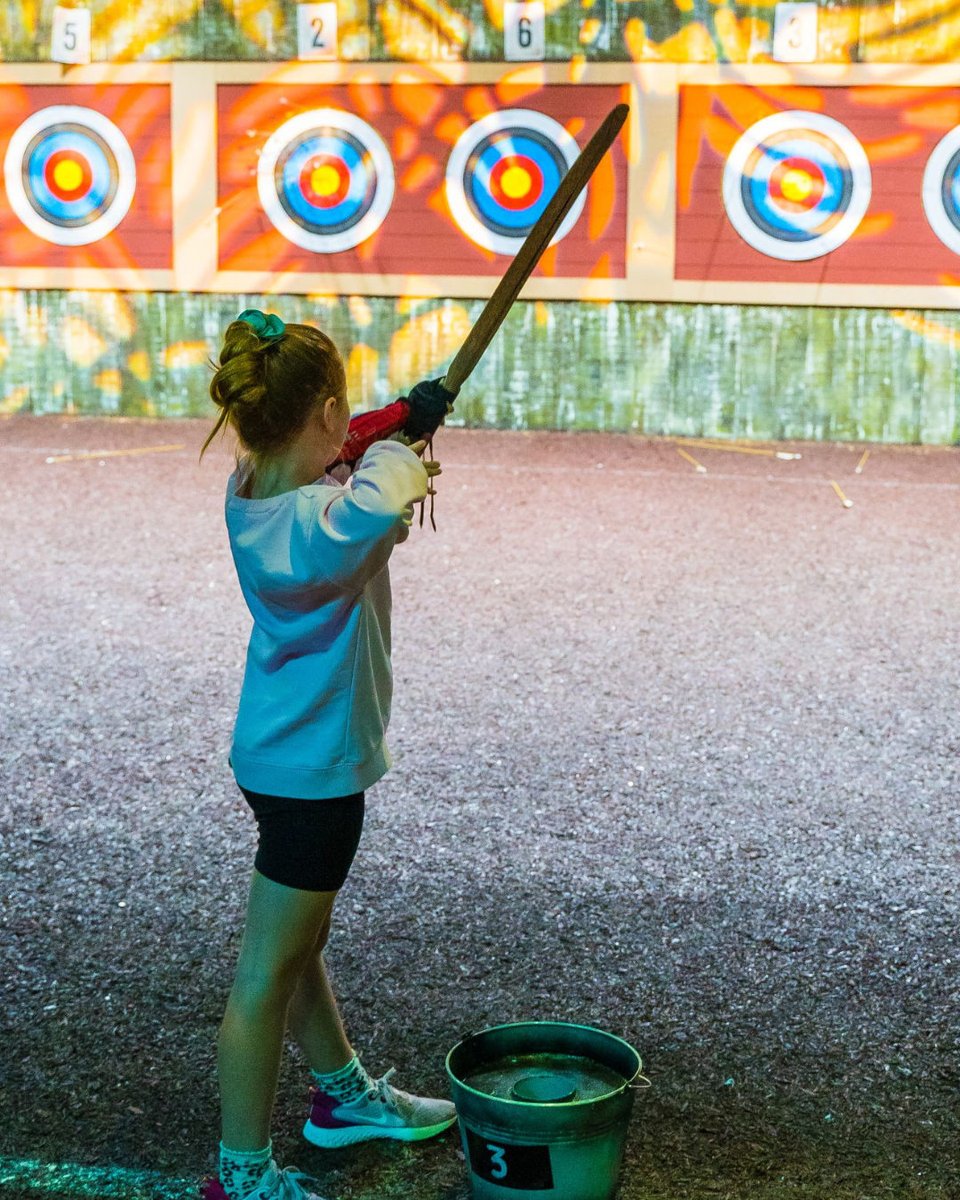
(420, 122)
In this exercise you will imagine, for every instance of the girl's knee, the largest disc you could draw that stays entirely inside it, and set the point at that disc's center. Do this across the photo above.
(270, 980)
(286, 931)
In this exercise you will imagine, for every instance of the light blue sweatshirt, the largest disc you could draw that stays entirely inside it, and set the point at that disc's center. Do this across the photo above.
(312, 565)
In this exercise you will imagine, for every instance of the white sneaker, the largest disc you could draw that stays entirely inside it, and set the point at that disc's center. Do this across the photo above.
(275, 1185)
(382, 1112)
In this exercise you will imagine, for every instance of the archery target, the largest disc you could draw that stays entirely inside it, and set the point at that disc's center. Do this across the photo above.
(502, 173)
(796, 185)
(941, 190)
(325, 180)
(70, 174)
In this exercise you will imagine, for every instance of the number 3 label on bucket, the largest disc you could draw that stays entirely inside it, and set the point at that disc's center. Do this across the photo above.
(526, 1168)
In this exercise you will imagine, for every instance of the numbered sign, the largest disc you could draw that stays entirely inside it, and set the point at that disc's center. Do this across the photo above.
(795, 32)
(317, 31)
(524, 39)
(526, 1168)
(70, 41)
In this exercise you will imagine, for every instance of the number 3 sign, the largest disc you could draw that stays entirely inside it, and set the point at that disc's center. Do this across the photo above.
(317, 31)
(523, 31)
(526, 1168)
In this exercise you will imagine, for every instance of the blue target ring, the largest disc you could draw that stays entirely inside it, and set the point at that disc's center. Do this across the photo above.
(941, 190)
(70, 174)
(324, 154)
(796, 185)
(537, 167)
(821, 189)
(502, 173)
(75, 148)
(325, 180)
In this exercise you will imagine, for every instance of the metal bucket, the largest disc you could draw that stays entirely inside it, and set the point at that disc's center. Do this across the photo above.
(544, 1108)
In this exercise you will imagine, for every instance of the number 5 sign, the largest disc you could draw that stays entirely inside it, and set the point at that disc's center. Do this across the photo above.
(70, 40)
(317, 31)
(523, 31)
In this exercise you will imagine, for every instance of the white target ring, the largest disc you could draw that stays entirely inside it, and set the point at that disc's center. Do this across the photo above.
(354, 165)
(503, 171)
(98, 158)
(796, 185)
(941, 190)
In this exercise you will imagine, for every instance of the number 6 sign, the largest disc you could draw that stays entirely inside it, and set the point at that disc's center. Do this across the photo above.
(317, 31)
(523, 31)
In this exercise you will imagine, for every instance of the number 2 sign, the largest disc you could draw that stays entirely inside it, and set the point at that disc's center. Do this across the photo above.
(523, 31)
(317, 31)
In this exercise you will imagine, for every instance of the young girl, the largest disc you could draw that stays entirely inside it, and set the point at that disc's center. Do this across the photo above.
(311, 555)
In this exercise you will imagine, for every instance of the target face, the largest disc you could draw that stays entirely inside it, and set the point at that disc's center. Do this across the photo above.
(941, 190)
(325, 180)
(70, 174)
(503, 172)
(796, 185)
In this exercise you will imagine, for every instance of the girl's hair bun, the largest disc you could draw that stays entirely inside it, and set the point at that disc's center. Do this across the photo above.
(240, 377)
(240, 338)
(269, 378)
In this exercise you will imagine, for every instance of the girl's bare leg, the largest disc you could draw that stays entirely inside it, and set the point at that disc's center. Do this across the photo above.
(279, 940)
(315, 1022)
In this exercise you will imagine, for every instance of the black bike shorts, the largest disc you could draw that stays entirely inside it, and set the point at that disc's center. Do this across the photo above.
(307, 844)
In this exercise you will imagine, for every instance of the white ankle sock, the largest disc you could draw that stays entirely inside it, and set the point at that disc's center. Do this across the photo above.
(347, 1084)
(242, 1170)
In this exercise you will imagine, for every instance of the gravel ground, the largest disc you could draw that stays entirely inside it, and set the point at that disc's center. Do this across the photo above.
(675, 756)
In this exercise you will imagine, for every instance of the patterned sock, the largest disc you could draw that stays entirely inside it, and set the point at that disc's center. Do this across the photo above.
(345, 1085)
(242, 1170)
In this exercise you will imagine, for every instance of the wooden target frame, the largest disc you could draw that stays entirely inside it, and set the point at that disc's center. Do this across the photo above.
(654, 265)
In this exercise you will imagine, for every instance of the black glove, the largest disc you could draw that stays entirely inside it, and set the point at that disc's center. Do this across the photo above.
(429, 403)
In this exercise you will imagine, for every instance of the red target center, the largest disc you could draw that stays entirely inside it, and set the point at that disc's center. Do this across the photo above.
(325, 180)
(797, 184)
(516, 181)
(67, 174)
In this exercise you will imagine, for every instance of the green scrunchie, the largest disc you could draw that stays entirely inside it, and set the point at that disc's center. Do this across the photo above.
(267, 328)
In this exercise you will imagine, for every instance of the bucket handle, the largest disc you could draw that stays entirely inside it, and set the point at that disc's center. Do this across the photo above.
(640, 1083)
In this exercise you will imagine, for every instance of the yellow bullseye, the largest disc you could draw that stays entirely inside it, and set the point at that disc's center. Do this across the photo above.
(796, 185)
(68, 175)
(324, 180)
(516, 182)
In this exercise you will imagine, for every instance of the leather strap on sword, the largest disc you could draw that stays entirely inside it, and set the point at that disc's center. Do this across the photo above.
(529, 254)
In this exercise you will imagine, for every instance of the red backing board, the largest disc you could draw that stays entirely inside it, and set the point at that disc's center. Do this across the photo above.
(419, 123)
(143, 239)
(898, 128)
